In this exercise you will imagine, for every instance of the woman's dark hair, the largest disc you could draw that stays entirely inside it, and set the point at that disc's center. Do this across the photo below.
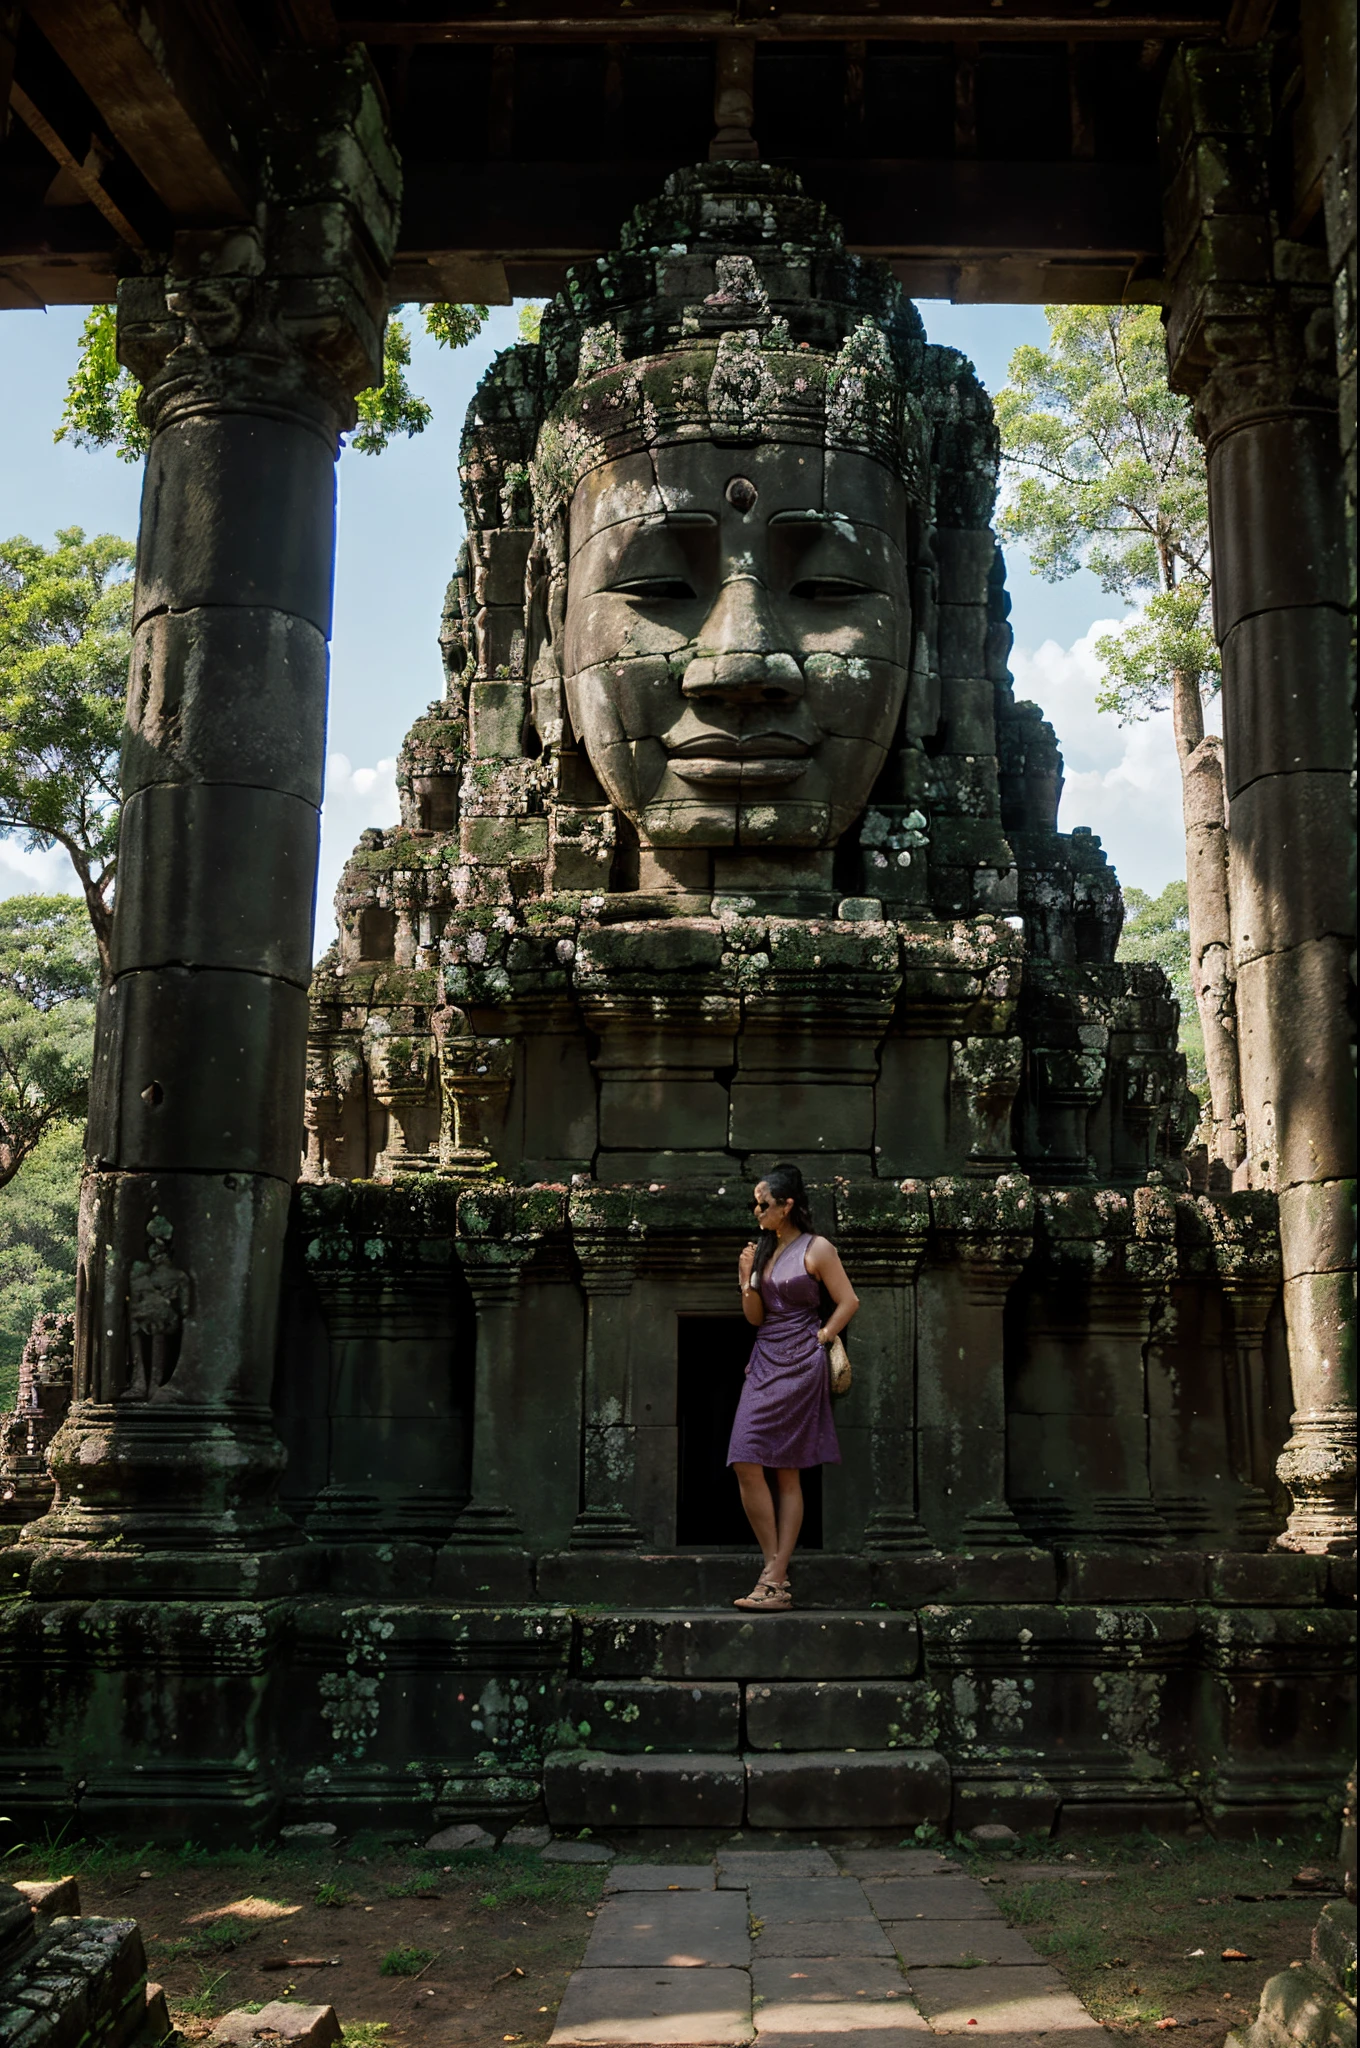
(785, 1183)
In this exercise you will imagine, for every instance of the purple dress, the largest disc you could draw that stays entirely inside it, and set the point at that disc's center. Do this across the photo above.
(784, 1415)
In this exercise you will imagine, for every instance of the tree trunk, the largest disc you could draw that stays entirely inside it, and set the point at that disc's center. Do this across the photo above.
(1204, 809)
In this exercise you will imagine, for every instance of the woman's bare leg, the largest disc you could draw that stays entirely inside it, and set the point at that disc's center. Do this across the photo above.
(790, 1521)
(755, 1498)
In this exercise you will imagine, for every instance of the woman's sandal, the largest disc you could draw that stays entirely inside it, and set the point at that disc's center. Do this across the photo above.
(766, 1594)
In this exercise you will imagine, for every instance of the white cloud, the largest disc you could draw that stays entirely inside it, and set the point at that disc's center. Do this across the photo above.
(1121, 780)
(35, 874)
(355, 799)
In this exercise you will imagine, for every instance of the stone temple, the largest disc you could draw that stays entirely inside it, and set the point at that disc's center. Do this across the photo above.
(397, 1493)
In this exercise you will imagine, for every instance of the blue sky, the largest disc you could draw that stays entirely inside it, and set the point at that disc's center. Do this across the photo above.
(400, 527)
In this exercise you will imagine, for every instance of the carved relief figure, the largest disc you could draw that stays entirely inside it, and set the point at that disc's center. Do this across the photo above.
(160, 1296)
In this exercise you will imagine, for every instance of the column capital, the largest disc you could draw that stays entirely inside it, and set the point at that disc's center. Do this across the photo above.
(286, 311)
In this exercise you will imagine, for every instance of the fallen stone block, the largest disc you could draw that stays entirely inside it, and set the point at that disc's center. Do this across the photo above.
(304, 2026)
(50, 1895)
(465, 1836)
(309, 1831)
(527, 1838)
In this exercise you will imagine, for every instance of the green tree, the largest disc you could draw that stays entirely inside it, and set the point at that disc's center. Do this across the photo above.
(1106, 473)
(38, 1211)
(1157, 928)
(49, 977)
(65, 637)
(101, 398)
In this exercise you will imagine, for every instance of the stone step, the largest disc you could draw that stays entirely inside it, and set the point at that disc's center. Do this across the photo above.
(632, 1715)
(665, 1643)
(810, 1788)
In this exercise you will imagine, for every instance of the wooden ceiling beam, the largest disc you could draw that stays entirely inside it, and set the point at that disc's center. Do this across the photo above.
(165, 93)
(771, 21)
(924, 210)
(87, 179)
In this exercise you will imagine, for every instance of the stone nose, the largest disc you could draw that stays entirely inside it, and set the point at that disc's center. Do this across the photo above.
(739, 658)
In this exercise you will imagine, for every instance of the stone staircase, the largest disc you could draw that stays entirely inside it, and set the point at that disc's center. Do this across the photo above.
(694, 1719)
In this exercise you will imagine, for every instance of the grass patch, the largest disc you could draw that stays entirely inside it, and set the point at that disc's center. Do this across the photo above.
(1147, 1944)
(201, 2002)
(333, 1895)
(222, 1937)
(406, 1962)
(364, 2033)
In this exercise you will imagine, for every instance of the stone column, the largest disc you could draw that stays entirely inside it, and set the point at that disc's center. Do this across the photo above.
(1250, 336)
(608, 1270)
(981, 1237)
(493, 1270)
(249, 350)
(881, 1231)
(1078, 1404)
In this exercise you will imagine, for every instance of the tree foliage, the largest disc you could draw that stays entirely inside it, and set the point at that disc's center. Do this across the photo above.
(49, 978)
(38, 1212)
(1157, 929)
(1107, 474)
(101, 398)
(65, 637)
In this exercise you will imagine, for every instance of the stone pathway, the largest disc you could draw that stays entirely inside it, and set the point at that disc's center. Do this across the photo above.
(794, 1949)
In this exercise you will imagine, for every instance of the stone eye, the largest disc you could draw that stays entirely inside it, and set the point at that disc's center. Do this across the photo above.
(828, 589)
(656, 589)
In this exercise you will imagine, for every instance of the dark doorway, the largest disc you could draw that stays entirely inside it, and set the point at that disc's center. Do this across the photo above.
(711, 1355)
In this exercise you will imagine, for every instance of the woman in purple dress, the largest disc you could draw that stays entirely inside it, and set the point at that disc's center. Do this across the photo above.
(783, 1419)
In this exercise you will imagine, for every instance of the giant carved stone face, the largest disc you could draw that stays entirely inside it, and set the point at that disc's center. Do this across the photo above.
(737, 639)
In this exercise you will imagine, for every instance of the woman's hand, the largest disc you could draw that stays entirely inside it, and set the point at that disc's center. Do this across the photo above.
(746, 1264)
(823, 1338)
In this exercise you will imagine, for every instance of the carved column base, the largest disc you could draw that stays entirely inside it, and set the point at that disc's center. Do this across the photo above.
(992, 1527)
(604, 1528)
(1109, 1522)
(164, 1477)
(1318, 1466)
(487, 1525)
(896, 1530)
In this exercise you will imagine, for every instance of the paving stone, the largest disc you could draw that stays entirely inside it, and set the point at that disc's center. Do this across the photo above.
(865, 1863)
(1000, 2000)
(595, 1788)
(675, 1930)
(941, 1898)
(655, 2008)
(821, 1788)
(660, 1877)
(526, 1838)
(745, 1866)
(809, 1996)
(577, 1852)
(310, 1831)
(808, 1898)
(779, 1937)
(945, 1944)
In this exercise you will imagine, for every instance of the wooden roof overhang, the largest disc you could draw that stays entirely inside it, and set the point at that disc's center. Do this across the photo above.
(1005, 150)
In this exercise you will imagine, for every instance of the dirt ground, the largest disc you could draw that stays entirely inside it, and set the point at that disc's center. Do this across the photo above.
(419, 1950)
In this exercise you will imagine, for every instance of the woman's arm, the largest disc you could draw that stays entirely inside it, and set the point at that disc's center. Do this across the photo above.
(752, 1302)
(823, 1261)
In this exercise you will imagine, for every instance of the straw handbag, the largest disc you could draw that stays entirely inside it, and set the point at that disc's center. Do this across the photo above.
(838, 1366)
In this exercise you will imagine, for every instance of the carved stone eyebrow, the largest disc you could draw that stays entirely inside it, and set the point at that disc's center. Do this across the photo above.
(802, 516)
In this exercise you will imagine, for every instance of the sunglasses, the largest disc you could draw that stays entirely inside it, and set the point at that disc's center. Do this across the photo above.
(761, 1207)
